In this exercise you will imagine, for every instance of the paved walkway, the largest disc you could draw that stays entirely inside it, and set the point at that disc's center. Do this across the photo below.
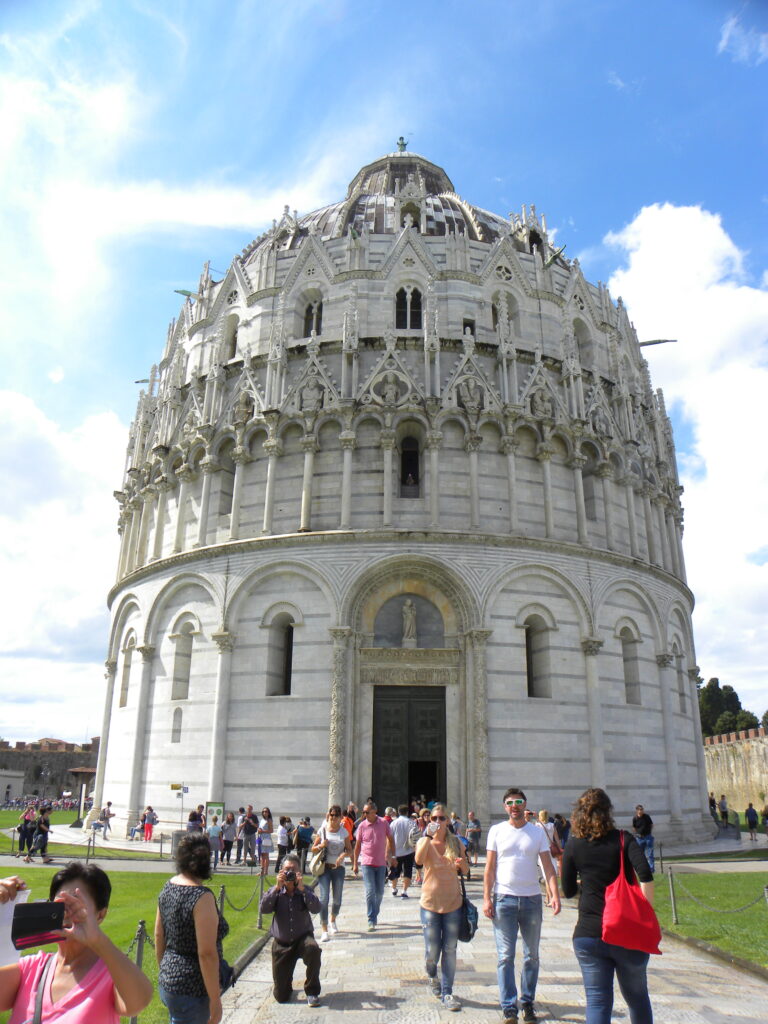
(379, 978)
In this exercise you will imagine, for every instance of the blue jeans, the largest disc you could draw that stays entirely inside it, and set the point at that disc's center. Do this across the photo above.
(599, 961)
(441, 933)
(185, 1009)
(510, 914)
(331, 877)
(646, 845)
(374, 880)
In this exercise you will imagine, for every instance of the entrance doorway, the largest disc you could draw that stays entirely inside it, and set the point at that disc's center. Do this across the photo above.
(408, 744)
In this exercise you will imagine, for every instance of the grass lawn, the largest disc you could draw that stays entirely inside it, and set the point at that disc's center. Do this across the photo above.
(134, 897)
(744, 934)
(60, 822)
(750, 852)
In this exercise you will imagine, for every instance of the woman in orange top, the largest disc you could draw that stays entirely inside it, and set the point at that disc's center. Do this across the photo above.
(441, 857)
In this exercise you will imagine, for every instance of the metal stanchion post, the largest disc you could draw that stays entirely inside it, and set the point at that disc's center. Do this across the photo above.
(161, 846)
(661, 857)
(221, 899)
(672, 896)
(261, 893)
(140, 937)
(765, 893)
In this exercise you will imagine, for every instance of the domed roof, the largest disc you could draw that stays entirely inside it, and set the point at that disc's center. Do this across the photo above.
(378, 199)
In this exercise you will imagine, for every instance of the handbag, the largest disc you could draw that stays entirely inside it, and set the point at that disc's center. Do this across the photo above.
(226, 975)
(629, 919)
(469, 916)
(317, 862)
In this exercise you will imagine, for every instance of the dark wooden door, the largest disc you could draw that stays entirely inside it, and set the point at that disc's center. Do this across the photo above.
(408, 743)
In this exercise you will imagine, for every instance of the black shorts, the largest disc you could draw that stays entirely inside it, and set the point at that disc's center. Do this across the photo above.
(403, 867)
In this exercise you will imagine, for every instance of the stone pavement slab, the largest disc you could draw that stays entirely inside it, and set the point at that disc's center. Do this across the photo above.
(379, 978)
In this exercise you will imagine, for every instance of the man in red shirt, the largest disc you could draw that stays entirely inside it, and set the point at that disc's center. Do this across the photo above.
(374, 846)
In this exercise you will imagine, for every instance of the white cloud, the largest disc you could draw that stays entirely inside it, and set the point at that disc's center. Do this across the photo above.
(744, 45)
(58, 548)
(56, 375)
(684, 278)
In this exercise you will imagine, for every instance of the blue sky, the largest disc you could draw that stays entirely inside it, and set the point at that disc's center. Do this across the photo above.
(140, 139)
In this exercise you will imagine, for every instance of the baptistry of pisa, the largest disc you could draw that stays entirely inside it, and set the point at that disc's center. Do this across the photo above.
(401, 515)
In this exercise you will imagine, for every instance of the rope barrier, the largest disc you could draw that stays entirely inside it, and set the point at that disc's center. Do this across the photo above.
(716, 910)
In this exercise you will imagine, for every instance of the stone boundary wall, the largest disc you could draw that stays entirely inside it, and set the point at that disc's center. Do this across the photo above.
(737, 765)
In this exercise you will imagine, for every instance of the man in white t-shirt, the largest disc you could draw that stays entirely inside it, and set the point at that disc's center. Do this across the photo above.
(512, 900)
(401, 829)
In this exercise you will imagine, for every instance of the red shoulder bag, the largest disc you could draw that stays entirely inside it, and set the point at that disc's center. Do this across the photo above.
(629, 919)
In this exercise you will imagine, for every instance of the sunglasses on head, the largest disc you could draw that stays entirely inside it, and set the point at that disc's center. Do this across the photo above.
(517, 802)
(438, 817)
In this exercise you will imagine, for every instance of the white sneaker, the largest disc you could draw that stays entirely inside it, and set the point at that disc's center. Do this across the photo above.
(332, 928)
(450, 1002)
(325, 937)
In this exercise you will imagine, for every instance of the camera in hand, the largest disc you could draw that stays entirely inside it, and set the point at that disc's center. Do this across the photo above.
(289, 875)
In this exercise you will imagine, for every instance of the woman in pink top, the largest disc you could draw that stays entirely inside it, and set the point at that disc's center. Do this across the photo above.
(442, 857)
(89, 980)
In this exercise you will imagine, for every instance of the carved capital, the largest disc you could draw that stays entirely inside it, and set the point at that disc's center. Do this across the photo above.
(472, 443)
(665, 660)
(479, 637)
(209, 465)
(387, 439)
(605, 470)
(340, 635)
(309, 443)
(694, 674)
(111, 667)
(434, 439)
(508, 445)
(224, 640)
(577, 462)
(544, 452)
(147, 652)
(273, 446)
(348, 441)
(591, 645)
(240, 455)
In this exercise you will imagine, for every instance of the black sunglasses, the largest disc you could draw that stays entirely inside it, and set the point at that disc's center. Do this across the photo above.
(439, 817)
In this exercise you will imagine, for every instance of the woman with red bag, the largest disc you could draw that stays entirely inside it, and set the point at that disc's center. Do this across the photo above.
(595, 854)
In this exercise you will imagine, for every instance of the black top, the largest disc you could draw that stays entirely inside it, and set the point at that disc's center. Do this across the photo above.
(596, 862)
(642, 824)
(180, 971)
(292, 912)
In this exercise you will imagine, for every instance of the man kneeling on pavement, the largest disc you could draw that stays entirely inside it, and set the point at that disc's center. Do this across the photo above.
(292, 905)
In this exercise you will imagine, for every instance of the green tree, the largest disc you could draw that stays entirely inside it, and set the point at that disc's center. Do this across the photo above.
(765, 721)
(725, 723)
(731, 700)
(746, 720)
(710, 706)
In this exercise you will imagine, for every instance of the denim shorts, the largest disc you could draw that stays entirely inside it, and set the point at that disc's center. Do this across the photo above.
(185, 1009)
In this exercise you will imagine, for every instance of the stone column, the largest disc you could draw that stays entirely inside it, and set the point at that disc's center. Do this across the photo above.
(207, 466)
(678, 517)
(139, 741)
(124, 530)
(591, 648)
(665, 663)
(434, 440)
(698, 738)
(241, 458)
(225, 642)
(665, 558)
(653, 555)
(310, 446)
(577, 464)
(671, 535)
(273, 448)
(477, 754)
(162, 487)
(509, 447)
(387, 446)
(348, 442)
(605, 472)
(337, 780)
(629, 491)
(544, 454)
(185, 476)
(148, 497)
(472, 446)
(106, 721)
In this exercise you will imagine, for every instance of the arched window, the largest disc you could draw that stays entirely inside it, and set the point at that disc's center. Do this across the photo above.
(506, 303)
(125, 678)
(409, 468)
(537, 657)
(631, 662)
(584, 342)
(534, 239)
(229, 341)
(280, 656)
(226, 480)
(182, 661)
(408, 309)
(313, 318)
(176, 726)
